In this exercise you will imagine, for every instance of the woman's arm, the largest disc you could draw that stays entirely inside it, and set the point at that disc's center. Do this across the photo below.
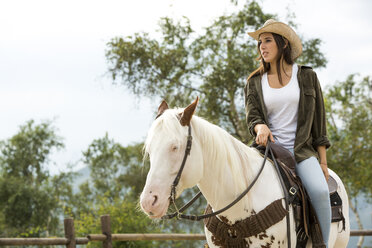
(323, 160)
(254, 115)
(319, 127)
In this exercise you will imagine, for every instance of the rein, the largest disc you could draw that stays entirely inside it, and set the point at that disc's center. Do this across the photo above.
(172, 197)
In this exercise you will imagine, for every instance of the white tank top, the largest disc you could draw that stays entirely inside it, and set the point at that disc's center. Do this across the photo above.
(282, 108)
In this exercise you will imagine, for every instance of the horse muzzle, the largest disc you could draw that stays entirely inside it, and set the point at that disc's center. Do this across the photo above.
(155, 205)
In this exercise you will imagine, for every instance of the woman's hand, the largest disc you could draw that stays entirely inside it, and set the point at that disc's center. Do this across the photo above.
(263, 133)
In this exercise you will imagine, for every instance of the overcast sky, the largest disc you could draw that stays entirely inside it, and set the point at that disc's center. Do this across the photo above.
(52, 63)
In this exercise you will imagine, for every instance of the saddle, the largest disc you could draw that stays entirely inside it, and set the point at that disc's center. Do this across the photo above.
(305, 217)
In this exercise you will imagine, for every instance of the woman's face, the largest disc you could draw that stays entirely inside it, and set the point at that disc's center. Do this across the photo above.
(268, 47)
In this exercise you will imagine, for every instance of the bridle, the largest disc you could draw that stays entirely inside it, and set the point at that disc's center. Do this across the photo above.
(178, 176)
(172, 196)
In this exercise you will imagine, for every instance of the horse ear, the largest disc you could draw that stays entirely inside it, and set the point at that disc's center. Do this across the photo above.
(162, 107)
(188, 112)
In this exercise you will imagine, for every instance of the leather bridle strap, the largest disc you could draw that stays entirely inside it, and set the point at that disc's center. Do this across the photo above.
(177, 179)
(183, 208)
(200, 217)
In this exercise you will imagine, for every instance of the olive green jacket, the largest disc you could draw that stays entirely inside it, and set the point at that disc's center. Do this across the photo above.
(311, 122)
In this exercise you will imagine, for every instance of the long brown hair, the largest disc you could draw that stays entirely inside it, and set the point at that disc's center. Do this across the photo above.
(283, 51)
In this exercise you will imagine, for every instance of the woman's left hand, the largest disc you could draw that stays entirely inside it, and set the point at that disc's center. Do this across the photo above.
(325, 170)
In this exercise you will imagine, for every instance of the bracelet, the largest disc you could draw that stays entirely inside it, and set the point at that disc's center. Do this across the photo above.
(324, 163)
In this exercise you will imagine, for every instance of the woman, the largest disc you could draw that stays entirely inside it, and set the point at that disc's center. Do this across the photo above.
(284, 103)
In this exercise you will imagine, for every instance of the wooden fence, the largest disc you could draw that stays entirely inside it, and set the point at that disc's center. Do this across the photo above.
(70, 241)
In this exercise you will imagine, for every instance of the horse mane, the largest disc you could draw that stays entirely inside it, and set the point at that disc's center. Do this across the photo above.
(220, 147)
(225, 150)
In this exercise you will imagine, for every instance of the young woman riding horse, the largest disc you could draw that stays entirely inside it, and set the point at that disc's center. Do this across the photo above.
(242, 188)
(284, 103)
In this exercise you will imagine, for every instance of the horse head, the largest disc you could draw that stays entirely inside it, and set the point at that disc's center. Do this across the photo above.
(165, 146)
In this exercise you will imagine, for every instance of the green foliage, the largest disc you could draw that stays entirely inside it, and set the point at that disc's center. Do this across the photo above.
(349, 114)
(115, 170)
(213, 65)
(117, 178)
(311, 54)
(103, 158)
(125, 218)
(26, 208)
(30, 199)
(136, 170)
(116, 175)
(25, 154)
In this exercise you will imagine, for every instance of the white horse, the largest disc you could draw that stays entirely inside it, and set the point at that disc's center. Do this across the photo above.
(222, 167)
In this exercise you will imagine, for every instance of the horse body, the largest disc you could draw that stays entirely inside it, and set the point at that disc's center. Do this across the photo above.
(225, 179)
(222, 167)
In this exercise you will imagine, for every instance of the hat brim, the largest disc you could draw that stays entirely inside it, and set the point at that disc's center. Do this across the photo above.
(283, 30)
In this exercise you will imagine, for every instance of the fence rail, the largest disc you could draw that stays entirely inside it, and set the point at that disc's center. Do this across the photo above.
(70, 241)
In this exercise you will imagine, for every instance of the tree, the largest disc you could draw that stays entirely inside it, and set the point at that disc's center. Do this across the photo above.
(115, 170)
(349, 115)
(213, 65)
(117, 179)
(29, 196)
(114, 179)
(125, 218)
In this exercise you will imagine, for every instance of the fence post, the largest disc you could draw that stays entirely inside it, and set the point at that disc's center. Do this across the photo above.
(70, 232)
(106, 230)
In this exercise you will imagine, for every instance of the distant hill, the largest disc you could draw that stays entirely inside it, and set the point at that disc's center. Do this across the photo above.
(82, 177)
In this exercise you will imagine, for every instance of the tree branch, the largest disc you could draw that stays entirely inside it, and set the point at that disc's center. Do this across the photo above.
(241, 132)
(192, 88)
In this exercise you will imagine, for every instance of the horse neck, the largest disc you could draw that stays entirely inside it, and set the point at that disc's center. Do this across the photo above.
(229, 167)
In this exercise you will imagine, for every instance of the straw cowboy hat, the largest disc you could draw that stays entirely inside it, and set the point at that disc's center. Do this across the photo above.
(273, 26)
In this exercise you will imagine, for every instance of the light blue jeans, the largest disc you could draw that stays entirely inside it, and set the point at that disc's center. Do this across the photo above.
(314, 182)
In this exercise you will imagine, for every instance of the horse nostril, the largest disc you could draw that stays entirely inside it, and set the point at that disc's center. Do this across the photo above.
(151, 214)
(155, 200)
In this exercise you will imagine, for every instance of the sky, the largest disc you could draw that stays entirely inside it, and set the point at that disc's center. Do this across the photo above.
(53, 66)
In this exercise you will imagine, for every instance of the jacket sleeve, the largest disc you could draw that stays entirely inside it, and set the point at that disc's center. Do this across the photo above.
(253, 112)
(319, 127)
